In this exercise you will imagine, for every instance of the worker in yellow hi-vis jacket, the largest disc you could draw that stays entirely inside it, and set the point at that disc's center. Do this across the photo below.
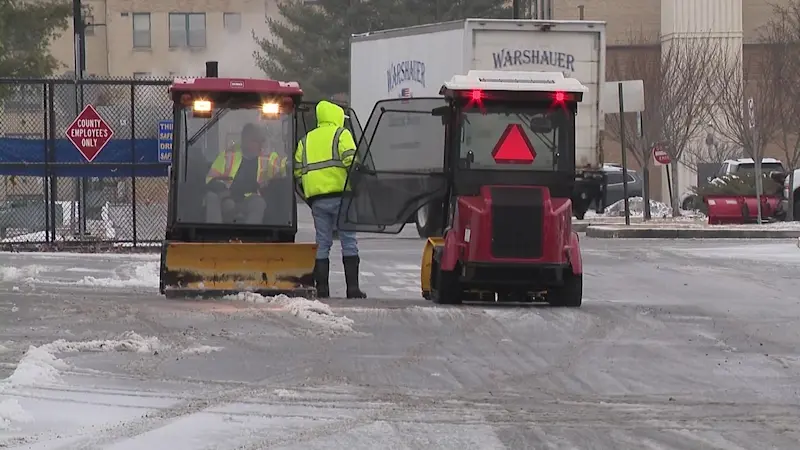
(238, 177)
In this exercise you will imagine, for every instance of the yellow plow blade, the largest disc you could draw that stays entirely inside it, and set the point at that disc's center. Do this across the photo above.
(216, 269)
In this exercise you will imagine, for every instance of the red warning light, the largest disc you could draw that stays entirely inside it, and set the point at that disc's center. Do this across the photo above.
(514, 147)
(477, 96)
(560, 97)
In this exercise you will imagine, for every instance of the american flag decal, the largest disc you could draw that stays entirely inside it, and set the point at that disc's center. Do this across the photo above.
(405, 93)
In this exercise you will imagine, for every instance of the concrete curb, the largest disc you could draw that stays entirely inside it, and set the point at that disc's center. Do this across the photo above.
(580, 227)
(623, 232)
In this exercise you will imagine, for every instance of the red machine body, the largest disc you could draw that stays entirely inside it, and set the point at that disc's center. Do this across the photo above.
(739, 209)
(512, 234)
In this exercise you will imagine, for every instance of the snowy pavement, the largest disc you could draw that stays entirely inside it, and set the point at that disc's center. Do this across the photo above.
(679, 345)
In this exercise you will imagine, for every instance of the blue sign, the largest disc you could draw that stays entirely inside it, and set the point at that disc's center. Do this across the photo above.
(165, 141)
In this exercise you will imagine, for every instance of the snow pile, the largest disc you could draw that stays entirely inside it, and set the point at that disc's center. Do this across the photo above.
(11, 411)
(37, 367)
(200, 349)
(313, 311)
(3, 348)
(8, 273)
(140, 275)
(128, 341)
(636, 206)
(41, 366)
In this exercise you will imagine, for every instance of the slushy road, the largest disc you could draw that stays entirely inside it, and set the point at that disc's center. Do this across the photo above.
(679, 345)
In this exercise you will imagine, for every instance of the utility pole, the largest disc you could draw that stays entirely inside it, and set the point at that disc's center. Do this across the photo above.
(79, 43)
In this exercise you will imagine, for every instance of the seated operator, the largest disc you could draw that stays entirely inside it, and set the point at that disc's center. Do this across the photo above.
(237, 180)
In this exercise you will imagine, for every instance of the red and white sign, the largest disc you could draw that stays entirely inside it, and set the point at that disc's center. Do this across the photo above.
(514, 147)
(660, 156)
(89, 133)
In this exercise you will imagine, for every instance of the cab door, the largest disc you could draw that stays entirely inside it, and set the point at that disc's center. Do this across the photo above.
(399, 166)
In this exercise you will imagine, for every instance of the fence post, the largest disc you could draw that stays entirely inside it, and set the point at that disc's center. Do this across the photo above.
(133, 160)
(51, 157)
(45, 174)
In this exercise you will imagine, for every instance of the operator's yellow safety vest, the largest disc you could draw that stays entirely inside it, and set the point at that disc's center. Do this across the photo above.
(227, 165)
(324, 155)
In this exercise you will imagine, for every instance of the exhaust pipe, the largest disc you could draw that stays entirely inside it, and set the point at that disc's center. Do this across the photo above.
(212, 69)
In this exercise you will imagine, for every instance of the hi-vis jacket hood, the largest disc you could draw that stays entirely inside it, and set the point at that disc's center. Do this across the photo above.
(329, 115)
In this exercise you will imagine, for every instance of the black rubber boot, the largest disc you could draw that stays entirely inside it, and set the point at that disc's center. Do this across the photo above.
(351, 276)
(321, 273)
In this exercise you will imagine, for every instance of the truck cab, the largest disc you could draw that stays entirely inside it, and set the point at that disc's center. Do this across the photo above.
(501, 184)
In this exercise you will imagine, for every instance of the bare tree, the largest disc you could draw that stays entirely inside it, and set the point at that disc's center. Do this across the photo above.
(780, 39)
(745, 111)
(711, 151)
(677, 101)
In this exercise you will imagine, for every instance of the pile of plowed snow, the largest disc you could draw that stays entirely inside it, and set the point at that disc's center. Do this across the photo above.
(142, 275)
(313, 311)
(40, 366)
(636, 207)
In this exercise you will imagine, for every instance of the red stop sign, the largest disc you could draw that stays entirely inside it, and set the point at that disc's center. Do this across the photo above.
(89, 133)
(660, 156)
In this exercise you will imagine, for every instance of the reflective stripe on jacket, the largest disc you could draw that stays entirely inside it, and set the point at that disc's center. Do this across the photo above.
(324, 155)
(228, 162)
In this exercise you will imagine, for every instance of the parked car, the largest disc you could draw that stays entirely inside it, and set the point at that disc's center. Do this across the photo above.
(796, 190)
(614, 183)
(614, 189)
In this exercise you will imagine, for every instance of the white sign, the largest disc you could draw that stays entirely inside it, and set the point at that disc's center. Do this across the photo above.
(751, 114)
(632, 96)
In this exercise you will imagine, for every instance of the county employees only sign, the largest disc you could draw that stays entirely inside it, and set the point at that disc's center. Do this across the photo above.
(89, 133)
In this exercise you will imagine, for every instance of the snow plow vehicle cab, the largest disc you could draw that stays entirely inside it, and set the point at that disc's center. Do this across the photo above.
(507, 175)
(227, 235)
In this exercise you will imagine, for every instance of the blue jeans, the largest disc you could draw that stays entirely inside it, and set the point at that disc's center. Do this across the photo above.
(325, 212)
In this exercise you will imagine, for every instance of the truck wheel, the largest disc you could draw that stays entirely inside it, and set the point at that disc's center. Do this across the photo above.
(689, 203)
(427, 220)
(796, 207)
(445, 288)
(570, 295)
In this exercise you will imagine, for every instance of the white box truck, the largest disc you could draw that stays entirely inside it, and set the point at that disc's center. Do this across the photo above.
(415, 61)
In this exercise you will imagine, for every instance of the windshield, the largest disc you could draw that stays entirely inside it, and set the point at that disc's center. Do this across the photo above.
(500, 138)
(235, 167)
(765, 167)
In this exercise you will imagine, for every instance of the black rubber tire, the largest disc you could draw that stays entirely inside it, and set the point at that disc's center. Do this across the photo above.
(445, 287)
(796, 207)
(431, 226)
(570, 294)
(689, 203)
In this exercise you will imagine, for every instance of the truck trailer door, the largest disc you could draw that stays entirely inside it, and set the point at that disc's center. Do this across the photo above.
(399, 166)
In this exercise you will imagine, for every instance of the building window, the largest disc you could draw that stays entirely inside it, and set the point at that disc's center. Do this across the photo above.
(141, 30)
(232, 22)
(187, 30)
(141, 75)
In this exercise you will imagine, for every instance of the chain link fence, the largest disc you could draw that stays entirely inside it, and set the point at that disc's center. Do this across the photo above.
(51, 194)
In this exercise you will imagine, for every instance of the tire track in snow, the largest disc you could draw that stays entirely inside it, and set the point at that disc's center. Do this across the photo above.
(164, 416)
